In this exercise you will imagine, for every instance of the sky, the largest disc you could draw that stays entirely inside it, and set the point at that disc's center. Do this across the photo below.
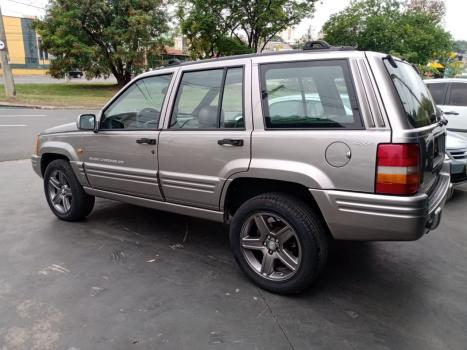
(454, 22)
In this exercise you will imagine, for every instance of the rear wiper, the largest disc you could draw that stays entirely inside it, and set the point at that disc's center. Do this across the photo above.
(391, 61)
(442, 121)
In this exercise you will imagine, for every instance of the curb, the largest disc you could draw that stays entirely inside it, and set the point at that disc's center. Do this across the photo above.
(21, 105)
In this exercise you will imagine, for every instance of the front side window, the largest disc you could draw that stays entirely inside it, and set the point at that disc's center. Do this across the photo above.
(458, 94)
(414, 95)
(139, 107)
(209, 99)
(315, 94)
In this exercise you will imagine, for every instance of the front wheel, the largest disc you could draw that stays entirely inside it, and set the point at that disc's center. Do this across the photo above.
(64, 193)
(279, 242)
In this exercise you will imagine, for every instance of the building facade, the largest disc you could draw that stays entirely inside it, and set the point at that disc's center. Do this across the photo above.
(26, 56)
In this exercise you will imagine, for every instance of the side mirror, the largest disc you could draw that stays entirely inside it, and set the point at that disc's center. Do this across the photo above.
(86, 122)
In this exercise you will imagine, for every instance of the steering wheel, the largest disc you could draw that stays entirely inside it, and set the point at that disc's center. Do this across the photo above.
(148, 113)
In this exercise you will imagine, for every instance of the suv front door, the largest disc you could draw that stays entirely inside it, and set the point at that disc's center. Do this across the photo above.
(122, 156)
(207, 133)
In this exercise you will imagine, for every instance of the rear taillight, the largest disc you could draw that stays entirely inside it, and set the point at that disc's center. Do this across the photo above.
(398, 169)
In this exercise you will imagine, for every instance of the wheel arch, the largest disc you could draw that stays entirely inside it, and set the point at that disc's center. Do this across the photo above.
(240, 189)
(48, 158)
(51, 150)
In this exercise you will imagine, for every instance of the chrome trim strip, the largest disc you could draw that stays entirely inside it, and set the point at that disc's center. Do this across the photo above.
(120, 176)
(186, 188)
(193, 186)
(129, 181)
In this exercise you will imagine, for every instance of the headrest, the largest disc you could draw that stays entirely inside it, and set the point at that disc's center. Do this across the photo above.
(207, 117)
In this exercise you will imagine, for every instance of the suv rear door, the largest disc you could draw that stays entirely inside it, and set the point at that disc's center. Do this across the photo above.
(207, 132)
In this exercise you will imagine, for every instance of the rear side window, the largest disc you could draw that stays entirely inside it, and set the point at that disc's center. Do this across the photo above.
(209, 99)
(414, 95)
(308, 95)
(458, 94)
(437, 91)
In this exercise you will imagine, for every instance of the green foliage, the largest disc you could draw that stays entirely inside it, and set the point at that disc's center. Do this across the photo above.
(89, 95)
(244, 25)
(460, 46)
(103, 37)
(389, 26)
(208, 29)
(436, 9)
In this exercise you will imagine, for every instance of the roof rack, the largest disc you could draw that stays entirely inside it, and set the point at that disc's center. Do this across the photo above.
(316, 45)
(173, 62)
(323, 45)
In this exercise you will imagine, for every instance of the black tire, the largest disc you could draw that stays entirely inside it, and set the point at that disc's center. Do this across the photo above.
(80, 203)
(309, 232)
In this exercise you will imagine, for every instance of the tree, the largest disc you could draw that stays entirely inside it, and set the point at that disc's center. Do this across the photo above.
(300, 43)
(434, 8)
(261, 20)
(460, 46)
(253, 23)
(209, 29)
(103, 37)
(389, 26)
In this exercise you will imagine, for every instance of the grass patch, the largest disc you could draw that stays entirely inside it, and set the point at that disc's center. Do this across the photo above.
(62, 95)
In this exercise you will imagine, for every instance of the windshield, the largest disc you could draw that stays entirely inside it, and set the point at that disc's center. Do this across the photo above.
(414, 95)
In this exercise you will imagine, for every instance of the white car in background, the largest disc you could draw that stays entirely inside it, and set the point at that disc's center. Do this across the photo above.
(451, 96)
(456, 150)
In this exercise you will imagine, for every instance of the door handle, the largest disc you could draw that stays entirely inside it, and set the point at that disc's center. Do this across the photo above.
(451, 113)
(146, 141)
(230, 142)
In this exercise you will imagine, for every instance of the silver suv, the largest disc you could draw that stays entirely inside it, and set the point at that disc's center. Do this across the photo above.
(291, 149)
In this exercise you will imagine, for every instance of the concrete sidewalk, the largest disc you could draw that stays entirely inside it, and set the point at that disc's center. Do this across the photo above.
(130, 277)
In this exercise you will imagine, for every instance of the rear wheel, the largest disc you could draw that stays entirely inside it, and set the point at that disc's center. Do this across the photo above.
(279, 242)
(64, 193)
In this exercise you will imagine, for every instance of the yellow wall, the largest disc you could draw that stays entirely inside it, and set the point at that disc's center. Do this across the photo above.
(14, 39)
(15, 42)
(26, 71)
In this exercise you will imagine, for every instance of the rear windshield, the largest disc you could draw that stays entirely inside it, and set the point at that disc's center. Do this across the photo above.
(414, 95)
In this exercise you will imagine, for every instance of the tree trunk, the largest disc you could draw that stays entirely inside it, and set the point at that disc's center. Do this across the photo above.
(123, 78)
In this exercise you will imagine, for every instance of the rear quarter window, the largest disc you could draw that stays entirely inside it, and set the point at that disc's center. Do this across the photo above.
(414, 95)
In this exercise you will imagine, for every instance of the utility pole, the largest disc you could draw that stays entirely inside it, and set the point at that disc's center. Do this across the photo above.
(10, 90)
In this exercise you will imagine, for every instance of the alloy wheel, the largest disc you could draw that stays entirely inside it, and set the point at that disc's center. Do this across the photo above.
(270, 246)
(60, 192)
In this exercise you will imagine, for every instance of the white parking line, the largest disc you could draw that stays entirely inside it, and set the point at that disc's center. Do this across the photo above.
(23, 115)
(15, 125)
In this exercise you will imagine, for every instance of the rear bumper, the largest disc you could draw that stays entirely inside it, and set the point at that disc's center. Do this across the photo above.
(371, 217)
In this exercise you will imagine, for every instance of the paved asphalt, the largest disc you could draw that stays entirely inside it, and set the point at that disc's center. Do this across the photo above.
(130, 277)
(18, 128)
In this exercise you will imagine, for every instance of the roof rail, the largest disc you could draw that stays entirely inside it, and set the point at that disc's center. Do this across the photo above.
(316, 45)
(323, 45)
(173, 62)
